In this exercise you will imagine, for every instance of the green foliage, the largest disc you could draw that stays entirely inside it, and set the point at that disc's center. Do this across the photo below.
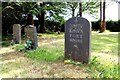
(113, 26)
(15, 12)
(90, 7)
(54, 11)
(99, 70)
(29, 44)
(18, 47)
(45, 54)
(6, 38)
(99, 67)
(5, 44)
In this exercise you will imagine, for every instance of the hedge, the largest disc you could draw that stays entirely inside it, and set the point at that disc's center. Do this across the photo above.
(113, 26)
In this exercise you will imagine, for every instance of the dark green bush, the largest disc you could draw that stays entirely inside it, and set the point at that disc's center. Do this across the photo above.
(113, 26)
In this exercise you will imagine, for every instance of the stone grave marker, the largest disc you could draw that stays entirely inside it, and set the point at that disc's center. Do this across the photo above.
(31, 34)
(17, 33)
(78, 39)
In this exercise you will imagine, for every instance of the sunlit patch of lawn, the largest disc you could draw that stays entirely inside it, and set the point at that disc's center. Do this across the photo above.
(103, 62)
(54, 35)
(105, 43)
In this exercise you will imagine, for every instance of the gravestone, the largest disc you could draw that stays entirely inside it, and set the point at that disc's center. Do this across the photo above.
(31, 34)
(17, 33)
(78, 39)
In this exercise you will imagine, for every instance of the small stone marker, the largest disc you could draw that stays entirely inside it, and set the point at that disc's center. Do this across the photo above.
(31, 34)
(78, 39)
(17, 33)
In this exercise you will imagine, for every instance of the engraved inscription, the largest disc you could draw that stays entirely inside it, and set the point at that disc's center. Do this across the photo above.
(76, 33)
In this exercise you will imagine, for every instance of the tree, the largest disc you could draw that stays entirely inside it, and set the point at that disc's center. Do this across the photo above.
(41, 16)
(54, 10)
(14, 12)
(80, 9)
(102, 16)
(72, 7)
(104, 23)
(86, 7)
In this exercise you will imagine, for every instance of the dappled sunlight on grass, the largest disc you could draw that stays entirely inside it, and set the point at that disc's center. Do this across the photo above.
(13, 73)
(7, 61)
(6, 50)
(48, 60)
(106, 58)
(55, 35)
(105, 43)
(50, 42)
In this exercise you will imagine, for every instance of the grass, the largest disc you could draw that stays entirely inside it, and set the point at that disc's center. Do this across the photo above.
(50, 54)
(104, 54)
(6, 40)
(97, 68)
(105, 43)
(54, 35)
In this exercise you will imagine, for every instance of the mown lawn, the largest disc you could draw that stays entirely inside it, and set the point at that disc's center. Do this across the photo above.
(104, 54)
(103, 63)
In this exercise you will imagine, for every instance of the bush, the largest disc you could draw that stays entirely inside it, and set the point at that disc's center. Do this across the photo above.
(113, 26)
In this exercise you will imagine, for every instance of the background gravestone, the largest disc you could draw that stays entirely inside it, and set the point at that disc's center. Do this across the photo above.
(31, 34)
(17, 33)
(78, 39)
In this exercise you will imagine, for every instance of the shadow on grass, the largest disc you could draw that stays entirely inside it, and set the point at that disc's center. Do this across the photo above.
(5, 43)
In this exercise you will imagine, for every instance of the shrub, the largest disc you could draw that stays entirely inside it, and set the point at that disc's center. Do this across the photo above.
(113, 26)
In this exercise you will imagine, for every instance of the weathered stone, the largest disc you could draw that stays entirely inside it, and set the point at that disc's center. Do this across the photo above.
(17, 33)
(31, 34)
(78, 39)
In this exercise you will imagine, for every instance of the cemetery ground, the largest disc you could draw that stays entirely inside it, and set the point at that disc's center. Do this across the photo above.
(47, 61)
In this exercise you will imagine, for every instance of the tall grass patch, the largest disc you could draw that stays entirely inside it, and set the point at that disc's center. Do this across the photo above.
(50, 54)
(98, 69)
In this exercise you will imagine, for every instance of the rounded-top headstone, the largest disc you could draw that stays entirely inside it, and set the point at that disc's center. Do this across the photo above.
(78, 39)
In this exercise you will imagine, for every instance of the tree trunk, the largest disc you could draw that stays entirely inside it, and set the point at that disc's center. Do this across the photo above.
(41, 17)
(100, 15)
(102, 22)
(80, 9)
(73, 12)
(42, 28)
(29, 20)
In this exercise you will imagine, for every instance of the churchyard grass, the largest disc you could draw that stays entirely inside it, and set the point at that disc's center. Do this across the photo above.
(104, 54)
(105, 44)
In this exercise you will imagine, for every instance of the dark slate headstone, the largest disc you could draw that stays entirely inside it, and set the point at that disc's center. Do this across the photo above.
(78, 39)
(31, 34)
